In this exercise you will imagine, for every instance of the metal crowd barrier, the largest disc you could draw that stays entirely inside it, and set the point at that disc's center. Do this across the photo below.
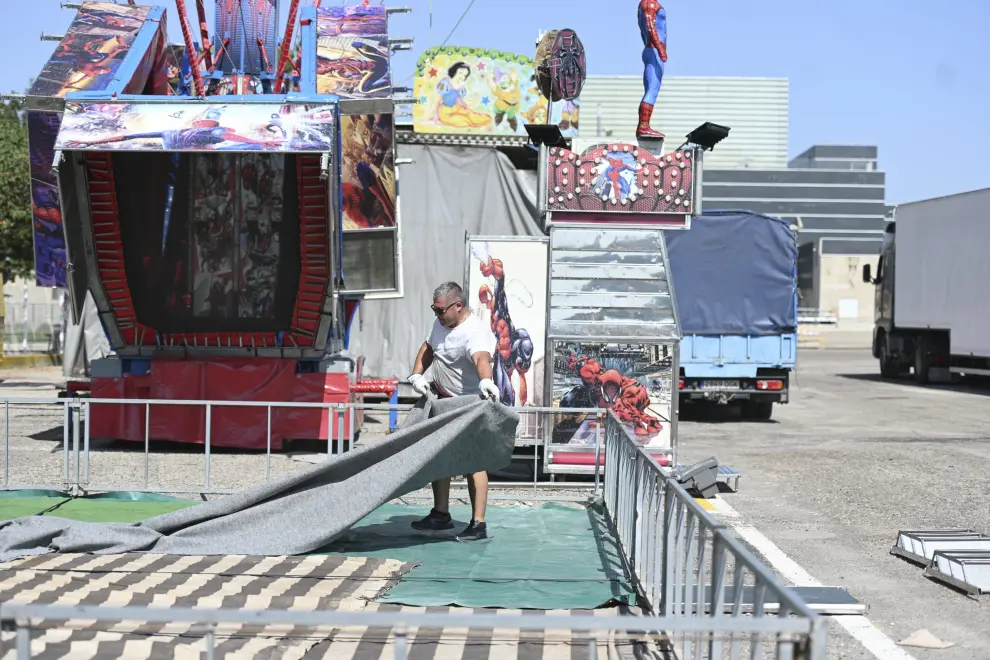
(19, 618)
(679, 557)
(682, 559)
(77, 449)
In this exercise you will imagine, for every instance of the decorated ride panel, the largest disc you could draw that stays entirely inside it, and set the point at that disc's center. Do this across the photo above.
(107, 48)
(506, 280)
(352, 52)
(613, 337)
(91, 54)
(139, 125)
(633, 380)
(483, 92)
(368, 171)
(348, 50)
(608, 180)
(206, 227)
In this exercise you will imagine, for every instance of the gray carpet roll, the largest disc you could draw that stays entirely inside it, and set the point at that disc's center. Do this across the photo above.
(304, 511)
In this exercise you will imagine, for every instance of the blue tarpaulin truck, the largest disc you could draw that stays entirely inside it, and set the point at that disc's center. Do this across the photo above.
(735, 280)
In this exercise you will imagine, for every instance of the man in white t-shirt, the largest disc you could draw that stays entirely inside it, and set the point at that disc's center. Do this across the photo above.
(459, 349)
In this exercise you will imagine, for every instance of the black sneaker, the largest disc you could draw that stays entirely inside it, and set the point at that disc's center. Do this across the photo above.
(434, 522)
(476, 531)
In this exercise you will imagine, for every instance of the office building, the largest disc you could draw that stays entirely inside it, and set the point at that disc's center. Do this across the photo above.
(755, 108)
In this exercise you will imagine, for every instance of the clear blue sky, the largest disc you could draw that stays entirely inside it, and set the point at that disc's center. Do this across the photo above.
(908, 76)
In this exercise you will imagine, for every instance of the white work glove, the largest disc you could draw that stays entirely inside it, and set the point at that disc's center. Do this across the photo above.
(489, 388)
(420, 384)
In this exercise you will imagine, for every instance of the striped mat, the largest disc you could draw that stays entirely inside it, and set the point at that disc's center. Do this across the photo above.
(258, 583)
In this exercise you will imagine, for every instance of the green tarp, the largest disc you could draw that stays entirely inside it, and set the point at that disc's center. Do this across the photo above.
(543, 557)
(546, 557)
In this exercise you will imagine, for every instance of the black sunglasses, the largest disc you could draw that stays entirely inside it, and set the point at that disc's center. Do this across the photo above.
(440, 312)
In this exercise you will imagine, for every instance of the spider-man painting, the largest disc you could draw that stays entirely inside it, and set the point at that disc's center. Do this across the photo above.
(368, 171)
(361, 20)
(514, 346)
(91, 52)
(362, 69)
(49, 241)
(617, 177)
(619, 379)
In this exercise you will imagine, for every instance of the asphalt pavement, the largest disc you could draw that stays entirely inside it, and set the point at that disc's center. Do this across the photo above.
(836, 473)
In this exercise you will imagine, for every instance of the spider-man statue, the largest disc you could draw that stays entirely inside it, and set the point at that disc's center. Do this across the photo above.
(653, 32)
(514, 346)
(626, 397)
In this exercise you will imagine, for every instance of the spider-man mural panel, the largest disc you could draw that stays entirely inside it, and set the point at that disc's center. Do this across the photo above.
(507, 285)
(352, 58)
(91, 52)
(634, 381)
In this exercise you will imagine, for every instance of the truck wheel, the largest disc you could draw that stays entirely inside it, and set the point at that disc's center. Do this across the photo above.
(921, 362)
(759, 410)
(888, 363)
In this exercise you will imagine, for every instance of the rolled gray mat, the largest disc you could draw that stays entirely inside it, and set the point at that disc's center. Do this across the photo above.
(304, 511)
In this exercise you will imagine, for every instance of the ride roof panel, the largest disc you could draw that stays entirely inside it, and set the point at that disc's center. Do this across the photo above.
(108, 47)
(285, 124)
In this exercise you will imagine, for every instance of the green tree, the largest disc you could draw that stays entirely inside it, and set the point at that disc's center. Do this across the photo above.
(16, 223)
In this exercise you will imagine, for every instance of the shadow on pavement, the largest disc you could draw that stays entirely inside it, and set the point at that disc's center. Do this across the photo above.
(713, 413)
(968, 385)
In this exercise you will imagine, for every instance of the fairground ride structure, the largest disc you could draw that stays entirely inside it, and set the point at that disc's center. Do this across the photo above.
(225, 204)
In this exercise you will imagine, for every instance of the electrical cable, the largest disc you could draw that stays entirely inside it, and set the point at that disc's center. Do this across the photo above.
(449, 35)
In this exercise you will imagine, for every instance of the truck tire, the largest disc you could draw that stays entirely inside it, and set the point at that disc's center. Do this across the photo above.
(888, 364)
(922, 363)
(758, 410)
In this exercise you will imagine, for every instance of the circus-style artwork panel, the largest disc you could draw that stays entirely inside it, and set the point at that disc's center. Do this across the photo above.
(480, 91)
(352, 56)
(620, 178)
(207, 127)
(368, 171)
(90, 54)
(634, 381)
(49, 239)
(506, 287)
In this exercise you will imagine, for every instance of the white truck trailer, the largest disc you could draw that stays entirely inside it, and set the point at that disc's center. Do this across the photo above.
(932, 305)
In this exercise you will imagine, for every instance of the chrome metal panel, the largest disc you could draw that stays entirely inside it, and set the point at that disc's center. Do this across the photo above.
(611, 301)
(610, 286)
(614, 331)
(610, 283)
(614, 240)
(589, 257)
(606, 271)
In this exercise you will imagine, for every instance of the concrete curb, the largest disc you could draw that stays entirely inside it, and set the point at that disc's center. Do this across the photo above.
(28, 360)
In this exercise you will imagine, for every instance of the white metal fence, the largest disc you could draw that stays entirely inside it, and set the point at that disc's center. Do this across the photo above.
(683, 560)
(80, 463)
(34, 327)
(711, 597)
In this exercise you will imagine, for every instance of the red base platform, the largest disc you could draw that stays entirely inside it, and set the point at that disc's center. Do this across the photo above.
(580, 458)
(224, 380)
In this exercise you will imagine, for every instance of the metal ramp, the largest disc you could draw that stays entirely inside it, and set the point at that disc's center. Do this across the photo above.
(957, 557)
(727, 475)
(967, 570)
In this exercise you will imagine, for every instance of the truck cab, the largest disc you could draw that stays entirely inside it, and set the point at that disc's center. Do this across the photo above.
(885, 340)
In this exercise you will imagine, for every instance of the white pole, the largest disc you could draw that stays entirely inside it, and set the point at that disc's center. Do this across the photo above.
(24, 344)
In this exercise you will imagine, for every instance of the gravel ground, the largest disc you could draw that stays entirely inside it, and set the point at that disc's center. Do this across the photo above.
(846, 465)
(849, 462)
